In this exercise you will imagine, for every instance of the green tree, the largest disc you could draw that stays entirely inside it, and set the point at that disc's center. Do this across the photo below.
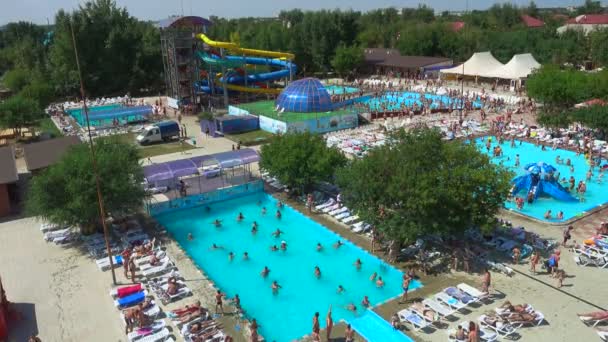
(590, 7)
(16, 79)
(595, 117)
(65, 193)
(419, 185)
(347, 59)
(19, 112)
(532, 9)
(557, 89)
(299, 160)
(598, 42)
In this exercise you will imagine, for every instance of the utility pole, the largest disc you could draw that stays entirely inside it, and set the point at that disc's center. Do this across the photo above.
(102, 214)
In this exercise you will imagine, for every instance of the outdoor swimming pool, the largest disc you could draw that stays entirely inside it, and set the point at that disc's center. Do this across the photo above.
(394, 101)
(78, 114)
(288, 315)
(595, 196)
(339, 90)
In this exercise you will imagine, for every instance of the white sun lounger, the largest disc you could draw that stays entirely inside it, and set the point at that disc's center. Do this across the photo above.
(183, 291)
(362, 229)
(417, 322)
(50, 236)
(358, 225)
(158, 334)
(471, 291)
(502, 329)
(342, 215)
(144, 267)
(331, 208)
(104, 263)
(539, 318)
(338, 211)
(146, 260)
(590, 321)
(350, 219)
(442, 310)
(152, 311)
(152, 271)
(603, 335)
(484, 334)
(326, 204)
(450, 301)
(48, 227)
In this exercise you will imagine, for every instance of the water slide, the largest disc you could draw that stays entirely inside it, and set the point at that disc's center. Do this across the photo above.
(280, 60)
(558, 192)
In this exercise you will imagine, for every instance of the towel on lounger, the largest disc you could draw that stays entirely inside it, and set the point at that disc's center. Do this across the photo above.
(132, 299)
(128, 290)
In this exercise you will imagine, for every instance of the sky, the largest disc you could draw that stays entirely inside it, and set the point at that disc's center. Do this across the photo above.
(39, 11)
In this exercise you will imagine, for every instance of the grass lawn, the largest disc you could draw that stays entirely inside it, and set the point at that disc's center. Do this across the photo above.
(155, 149)
(46, 125)
(250, 138)
(267, 108)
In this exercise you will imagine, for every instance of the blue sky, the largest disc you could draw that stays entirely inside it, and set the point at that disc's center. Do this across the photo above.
(39, 11)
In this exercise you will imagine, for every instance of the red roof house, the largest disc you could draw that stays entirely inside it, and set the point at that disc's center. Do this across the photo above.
(531, 22)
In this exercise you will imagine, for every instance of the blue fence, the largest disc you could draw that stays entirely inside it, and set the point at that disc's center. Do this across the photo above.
(218, 195)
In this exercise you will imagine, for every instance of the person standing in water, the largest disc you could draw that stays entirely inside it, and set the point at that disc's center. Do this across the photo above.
(329, 322)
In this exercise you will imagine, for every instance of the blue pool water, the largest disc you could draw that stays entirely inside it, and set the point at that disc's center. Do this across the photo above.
(375, 328)
(596, 194)
(395, 100)
(339, 90)
(288, 315)
(78, 114)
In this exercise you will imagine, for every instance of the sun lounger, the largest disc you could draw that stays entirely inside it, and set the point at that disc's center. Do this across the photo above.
(362, 228)
(452, 302)
(152, 312)
(338, 211)
(539, 318)
(104, 263)
(460, 295)
(471, 291)
(342, 215)
(442, 310)
(206, 324)
(150, 332)
(417, 322)
(144, 267)
(49, 227)
(331, 208)
(484, 334)
(501, 328)
(124, 291)
(182, 291)
(153, 271)
(132, 238)
(131, 300)
(146, 259)
(350, 219)
(500, 267)
(590, 321)
(50, 236)
(602, 334)
(329, 203)
(358, 225)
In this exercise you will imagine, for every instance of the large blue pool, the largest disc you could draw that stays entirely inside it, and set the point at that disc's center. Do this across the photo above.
(78, 114)
(595, 195)
(288, 315)
(395, 100)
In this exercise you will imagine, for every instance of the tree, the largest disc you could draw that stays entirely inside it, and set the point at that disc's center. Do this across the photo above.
(557, 89)
(590, 7)
(65, 193)
(595, 117)
(19, 112)
(532, 9)
(299, 160)
(419, 185)
(16, 79)
(347, 59)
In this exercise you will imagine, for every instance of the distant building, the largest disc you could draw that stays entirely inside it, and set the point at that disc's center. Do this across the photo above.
(382, 61)
(41, 155)
(457, 26)
(585, 23)
(531, 22)
(8, 180)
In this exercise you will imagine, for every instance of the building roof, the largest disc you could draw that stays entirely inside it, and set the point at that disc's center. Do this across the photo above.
(589, 19)
(307, 95)
(531, 21)
(8, 170)
(392, 58)
(45, 153)
(178, 21)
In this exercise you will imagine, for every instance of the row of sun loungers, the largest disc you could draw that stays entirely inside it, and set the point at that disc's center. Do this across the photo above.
(343, 214)
(595, 254)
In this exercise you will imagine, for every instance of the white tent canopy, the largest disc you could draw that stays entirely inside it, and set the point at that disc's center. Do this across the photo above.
(520, 66)
(481, 64)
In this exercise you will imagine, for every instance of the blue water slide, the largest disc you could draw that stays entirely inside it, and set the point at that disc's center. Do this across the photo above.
(558, 192)
(520, 183)
(287, 68)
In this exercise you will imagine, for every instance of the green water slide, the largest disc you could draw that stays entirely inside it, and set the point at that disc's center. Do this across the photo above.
(220, 62)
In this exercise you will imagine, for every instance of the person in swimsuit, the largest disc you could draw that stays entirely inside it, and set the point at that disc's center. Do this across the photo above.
(240, 217)
(214, 247)
(278, 215)
(277, 233)
(245, 256)
(217, 223)
(275, 287)
(264, 211)
(473, 334)
(486, 281)
(365, 302)
(190, 237)
(265, 272)
(319, 247)
(329, 323)
(253, 326)
(373, 277)
(405, 285)
(283, 246)
(340, 289)
(230, 256)
(358, 264)
(218, 302)
(254, 229)
(349, 334)
(315, 323)
(379, 282)
(317, 272)
(338, 244)
(351, 307)
(274, 248)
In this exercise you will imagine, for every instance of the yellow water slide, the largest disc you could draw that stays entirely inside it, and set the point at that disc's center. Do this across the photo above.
(274, 91)
(242, 51)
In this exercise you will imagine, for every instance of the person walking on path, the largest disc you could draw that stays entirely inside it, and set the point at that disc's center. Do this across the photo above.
(486, 281)
(567, 235)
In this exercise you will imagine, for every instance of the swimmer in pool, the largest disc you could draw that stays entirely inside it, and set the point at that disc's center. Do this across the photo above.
(264, 211)
(190, 237)
(217, 223)
(379, 282)
(351, 307)
(240, 217)
(317, 272)
(230, 256)
(373, 276)
(365, 302)
(265, 272)
(358, 264)
(280, 205)
(254, 230)
(254, 224)
(214, 247)
(277, 233)
(278, 215)
(338, 244)
(245, 256)
(275, 287)
(283, 246)
(274, 248)
(340, 289)
(319, 247)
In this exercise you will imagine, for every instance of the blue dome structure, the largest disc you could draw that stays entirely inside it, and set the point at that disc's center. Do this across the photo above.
(305, 96)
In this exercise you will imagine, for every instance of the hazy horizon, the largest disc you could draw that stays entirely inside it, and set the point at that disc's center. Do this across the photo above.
(40, 11)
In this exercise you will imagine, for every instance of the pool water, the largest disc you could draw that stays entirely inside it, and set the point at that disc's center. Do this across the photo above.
(595, 195)
(287, 315)
(395, 100)
(78, 115)
(339, 90)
